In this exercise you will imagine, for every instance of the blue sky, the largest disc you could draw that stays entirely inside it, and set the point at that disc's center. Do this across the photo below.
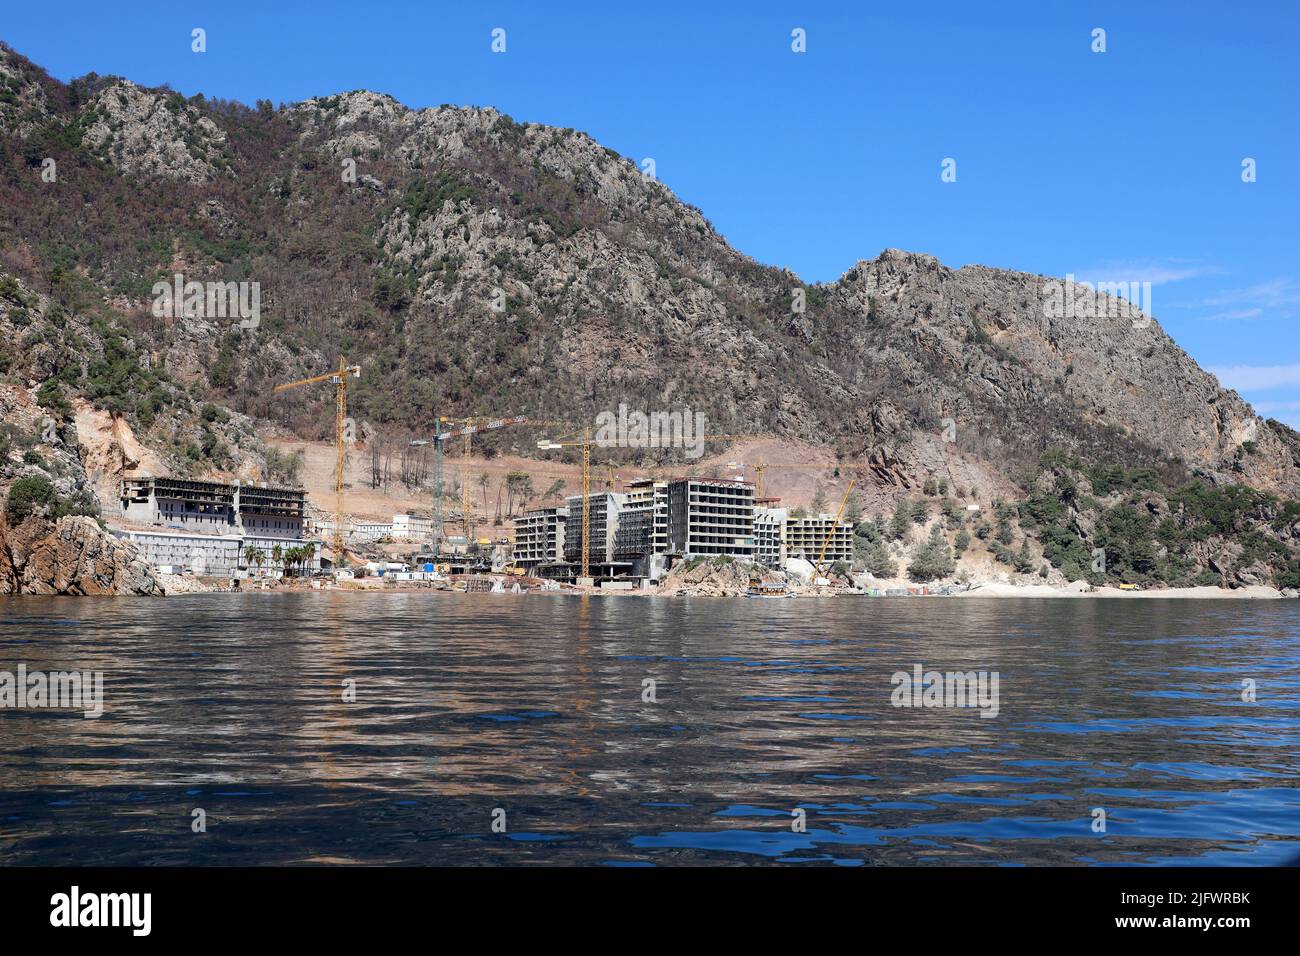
(1120, 166)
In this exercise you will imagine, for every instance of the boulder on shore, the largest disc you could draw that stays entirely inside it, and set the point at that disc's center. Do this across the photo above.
(713, 578)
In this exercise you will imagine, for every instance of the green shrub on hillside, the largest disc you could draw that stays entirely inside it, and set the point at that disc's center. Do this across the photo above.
(28, 496)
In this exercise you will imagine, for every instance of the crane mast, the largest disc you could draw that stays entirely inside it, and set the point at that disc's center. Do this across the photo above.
(340, 381)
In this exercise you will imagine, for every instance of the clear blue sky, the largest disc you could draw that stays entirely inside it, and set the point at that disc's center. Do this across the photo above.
(1121, 165)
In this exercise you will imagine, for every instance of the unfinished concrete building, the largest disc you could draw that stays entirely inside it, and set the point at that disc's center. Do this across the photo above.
(708, 517)
(805, 537)
(210, 527)
(214, 507)
(650, 495)
(603, 515)
(769, 532)
(539, 537)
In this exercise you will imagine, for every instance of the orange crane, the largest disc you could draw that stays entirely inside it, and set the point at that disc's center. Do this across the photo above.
(611, 477)
(340, 381)
(834, 524)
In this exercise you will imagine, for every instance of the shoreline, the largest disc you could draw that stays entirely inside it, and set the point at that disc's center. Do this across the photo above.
(180, 587)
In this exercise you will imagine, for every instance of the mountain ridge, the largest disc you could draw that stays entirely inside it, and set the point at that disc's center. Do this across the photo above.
(612, 291)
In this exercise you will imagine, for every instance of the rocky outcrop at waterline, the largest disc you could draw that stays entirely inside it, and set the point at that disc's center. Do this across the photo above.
(72, 555)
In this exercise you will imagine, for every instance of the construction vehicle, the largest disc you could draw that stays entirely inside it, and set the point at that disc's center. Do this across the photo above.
(340, 381)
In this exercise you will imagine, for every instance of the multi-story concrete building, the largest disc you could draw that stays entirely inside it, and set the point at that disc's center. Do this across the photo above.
(648, 496)
(355, 530)
(215, 507)
(603, 515)
(805, 537)
(769, 532)
(210, 526)
(540, 537)
(638, 532)
(216, 555)
(372, 530)
(710, 516)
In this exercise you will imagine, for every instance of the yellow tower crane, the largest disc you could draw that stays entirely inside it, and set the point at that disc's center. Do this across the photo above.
(834, 524)
(340, 381)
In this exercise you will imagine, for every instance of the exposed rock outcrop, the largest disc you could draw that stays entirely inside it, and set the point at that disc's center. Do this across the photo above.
(476, 264)
(70, 556)
(715, 578)
(155, 134)
(23, 103)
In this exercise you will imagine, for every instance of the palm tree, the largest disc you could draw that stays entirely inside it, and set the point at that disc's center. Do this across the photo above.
(277, 555)
(255, 557)
(519, 485)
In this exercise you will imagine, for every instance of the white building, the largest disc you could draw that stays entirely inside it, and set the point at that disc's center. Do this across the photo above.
(372, 530)
(412, 527)
(217, 555)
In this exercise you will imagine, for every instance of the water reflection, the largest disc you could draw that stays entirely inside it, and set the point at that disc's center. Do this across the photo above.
(534, 704)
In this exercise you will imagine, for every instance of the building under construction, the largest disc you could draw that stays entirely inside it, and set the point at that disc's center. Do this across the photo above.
(639, 533)
(210, 527)
(214, 507)
(540, 537)
(806, 537)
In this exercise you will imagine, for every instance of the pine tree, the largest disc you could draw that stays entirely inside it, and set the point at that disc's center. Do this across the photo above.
(933, 560)
(876, 560)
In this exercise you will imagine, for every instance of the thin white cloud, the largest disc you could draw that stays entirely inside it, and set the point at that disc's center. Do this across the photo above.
(1155, 271)
(1234, 315)
(1274, 294)
(1247, 378)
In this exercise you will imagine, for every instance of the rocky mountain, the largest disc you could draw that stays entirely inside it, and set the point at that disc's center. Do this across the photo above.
(477, 265)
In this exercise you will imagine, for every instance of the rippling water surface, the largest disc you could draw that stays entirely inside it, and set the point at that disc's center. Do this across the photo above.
(533, 704)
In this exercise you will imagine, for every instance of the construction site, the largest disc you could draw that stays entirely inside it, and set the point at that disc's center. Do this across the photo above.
(570, 518)
(459, 506)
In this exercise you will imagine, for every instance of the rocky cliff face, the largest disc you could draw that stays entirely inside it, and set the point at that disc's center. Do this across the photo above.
(146, 133)
(476, 265)
(72, 555)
